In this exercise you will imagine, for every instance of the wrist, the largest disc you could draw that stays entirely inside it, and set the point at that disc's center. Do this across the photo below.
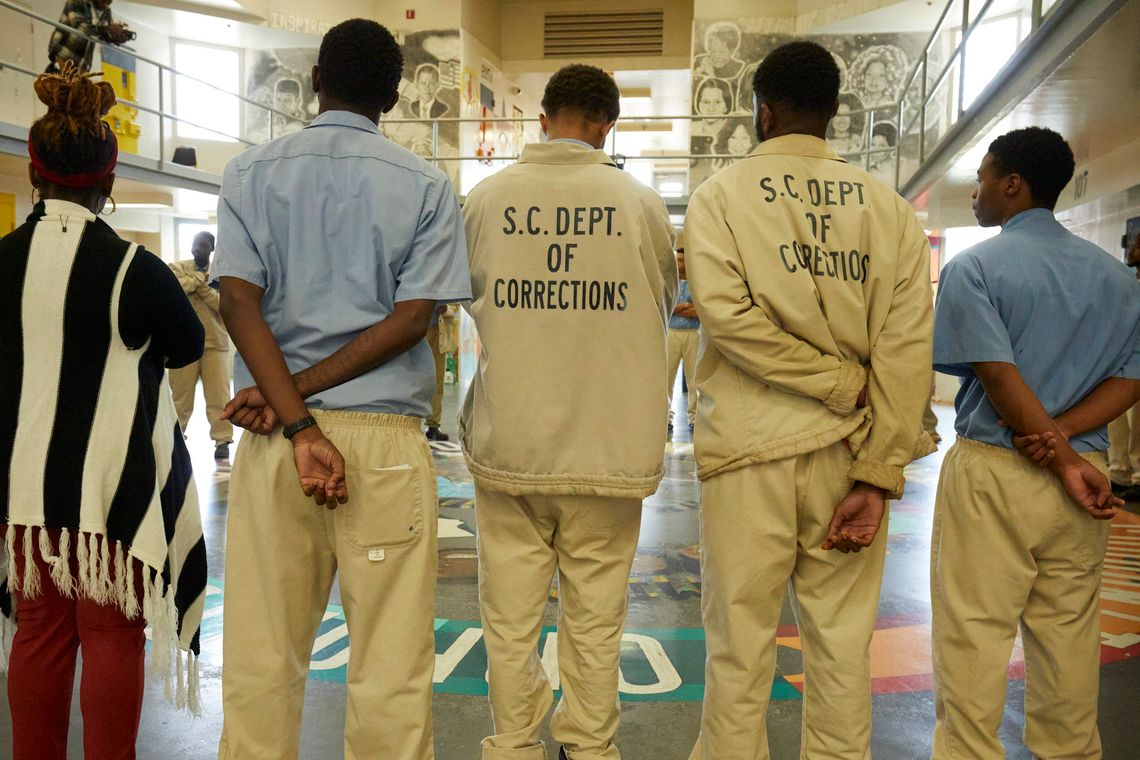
(301, 429)
(863, 487)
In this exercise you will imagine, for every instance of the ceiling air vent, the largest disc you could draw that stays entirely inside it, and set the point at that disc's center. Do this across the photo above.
(589, 34)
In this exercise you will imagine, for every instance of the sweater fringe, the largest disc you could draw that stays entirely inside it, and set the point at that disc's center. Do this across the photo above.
(106, 582)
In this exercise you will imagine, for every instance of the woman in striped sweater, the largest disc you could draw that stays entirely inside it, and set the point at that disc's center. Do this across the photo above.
(100, 520)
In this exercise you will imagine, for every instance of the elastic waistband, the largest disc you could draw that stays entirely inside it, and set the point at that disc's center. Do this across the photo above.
(1012, 455)
(366, 419)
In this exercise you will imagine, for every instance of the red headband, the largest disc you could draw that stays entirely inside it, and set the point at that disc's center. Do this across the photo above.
(73, 180)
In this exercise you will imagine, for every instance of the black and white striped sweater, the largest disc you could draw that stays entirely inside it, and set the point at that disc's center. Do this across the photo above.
(89, 440)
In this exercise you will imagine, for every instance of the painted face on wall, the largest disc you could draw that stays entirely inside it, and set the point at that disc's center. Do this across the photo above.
(427, 84)
(712, 102)
(739, 142)
(841, 122)
(875, 78)
(719, 51)
(286, 101)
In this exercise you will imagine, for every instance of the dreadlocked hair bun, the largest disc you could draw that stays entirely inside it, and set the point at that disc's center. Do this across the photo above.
(72, 138)
(76, 103)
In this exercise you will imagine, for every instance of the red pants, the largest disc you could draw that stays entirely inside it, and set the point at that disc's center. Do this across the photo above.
(41, 672)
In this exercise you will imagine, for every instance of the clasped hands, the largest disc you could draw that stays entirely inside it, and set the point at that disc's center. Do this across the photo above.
(320, 465)
(1084, 483)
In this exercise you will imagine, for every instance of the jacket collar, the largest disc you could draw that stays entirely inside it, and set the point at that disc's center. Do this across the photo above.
(796, 145)
(562, 153)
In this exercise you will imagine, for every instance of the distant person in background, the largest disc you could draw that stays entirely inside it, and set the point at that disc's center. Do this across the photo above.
(88, 17)
(684, 339)
(214, 366)
(439, 339)
(1124, 431)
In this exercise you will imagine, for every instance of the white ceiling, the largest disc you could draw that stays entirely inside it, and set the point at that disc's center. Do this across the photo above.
(201, 27)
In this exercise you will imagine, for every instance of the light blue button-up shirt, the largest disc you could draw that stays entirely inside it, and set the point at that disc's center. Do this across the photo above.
(1037, 296)
(339, 224)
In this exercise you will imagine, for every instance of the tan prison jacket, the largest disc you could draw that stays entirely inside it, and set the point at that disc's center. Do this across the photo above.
(804, 271)
(573, 279)
(205, 301)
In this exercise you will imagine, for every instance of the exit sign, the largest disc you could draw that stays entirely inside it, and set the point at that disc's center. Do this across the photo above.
(410, 13)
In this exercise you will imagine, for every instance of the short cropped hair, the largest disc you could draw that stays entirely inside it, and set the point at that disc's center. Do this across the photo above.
(801, 76)
(1040, 156)
(360, 63)
(206, 235)
(586, 89)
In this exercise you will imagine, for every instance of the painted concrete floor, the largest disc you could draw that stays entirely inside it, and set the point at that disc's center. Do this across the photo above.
(663, 654)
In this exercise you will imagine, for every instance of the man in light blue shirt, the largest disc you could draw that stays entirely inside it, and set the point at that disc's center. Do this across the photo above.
(1043, 329)
(335, 247)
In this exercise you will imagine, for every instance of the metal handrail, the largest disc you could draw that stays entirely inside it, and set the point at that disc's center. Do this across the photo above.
(929, 90)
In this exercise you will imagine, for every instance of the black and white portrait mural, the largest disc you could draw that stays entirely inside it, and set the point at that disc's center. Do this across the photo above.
(872, 68)
(280, 79)
(429, 90)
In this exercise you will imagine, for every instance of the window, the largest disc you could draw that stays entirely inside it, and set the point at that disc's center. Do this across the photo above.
(204, 105)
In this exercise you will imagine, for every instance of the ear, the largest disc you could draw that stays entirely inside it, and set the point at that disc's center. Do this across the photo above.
(765, 119)
(1013, 184)
(834, 110)
(392, 102)
(544, 123)
(316, 77)
(606, 129)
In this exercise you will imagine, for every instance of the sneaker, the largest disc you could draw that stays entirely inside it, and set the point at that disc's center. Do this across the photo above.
(222, 451)
(1132, 495)
(435, 434)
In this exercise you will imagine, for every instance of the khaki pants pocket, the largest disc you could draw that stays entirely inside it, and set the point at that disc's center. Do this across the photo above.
(385, 508)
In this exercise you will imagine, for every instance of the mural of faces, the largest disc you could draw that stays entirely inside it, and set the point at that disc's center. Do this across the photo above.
(872, 69)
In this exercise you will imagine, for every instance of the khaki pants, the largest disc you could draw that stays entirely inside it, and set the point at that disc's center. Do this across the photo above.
(214, 369)
(590, 541)
(1009, 546)
(761, 529)
(683, 345)
(440, 366)
(1124, 448)
(282, 554)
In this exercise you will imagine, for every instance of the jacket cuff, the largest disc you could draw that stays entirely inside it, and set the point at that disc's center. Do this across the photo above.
(889, 477)
(852, 379)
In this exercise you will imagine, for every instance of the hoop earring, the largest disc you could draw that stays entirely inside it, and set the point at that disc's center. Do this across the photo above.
(114, 206)
(34, 191)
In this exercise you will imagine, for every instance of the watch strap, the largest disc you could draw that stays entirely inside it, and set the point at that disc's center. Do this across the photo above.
(296, 427)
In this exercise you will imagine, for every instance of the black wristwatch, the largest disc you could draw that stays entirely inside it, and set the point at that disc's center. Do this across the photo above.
(293, 428)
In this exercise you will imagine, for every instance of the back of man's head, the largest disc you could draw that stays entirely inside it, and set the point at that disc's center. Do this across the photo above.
(1042, 158)
(587, 91)
(800, 77)
(360, 64)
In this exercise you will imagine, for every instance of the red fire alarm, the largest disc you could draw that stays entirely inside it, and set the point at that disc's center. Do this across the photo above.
(410, 13)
